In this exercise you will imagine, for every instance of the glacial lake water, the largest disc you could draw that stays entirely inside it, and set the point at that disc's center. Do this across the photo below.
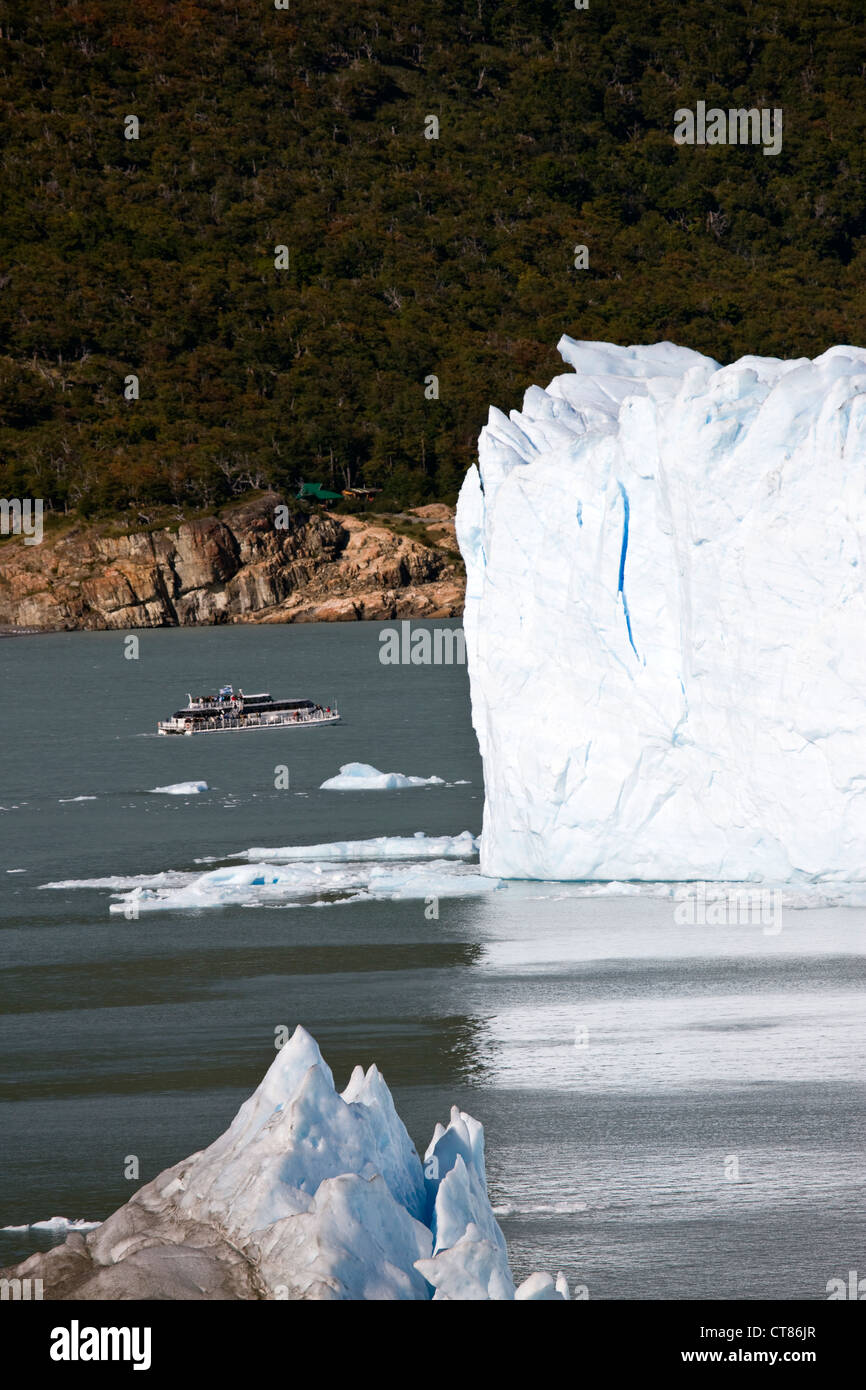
(670, 1112)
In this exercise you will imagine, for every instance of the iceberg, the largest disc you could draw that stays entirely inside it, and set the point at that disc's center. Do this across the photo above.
(309, 1194)
(361, 777)
(664, 619)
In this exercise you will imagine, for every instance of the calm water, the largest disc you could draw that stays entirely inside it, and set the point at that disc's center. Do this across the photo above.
(702, 1051)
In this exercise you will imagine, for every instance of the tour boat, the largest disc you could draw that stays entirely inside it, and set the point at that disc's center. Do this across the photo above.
(228, 712)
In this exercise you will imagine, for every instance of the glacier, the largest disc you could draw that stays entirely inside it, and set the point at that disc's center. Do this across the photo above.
(309, 1194)
(664, 619)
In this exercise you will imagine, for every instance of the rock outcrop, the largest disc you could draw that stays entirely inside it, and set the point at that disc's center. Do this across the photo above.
(242, 566)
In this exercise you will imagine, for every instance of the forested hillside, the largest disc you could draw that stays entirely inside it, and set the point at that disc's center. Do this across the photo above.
(408, 257)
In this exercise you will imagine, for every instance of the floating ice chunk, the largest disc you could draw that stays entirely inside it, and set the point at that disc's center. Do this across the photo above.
(169, 878)
(664, 617)
(182, 789)
(427, 880)
(417, 846)
(351, 882)
(289, 884)
(56, 1224)
(543, 1288)
(355, 777)
(567, 1208)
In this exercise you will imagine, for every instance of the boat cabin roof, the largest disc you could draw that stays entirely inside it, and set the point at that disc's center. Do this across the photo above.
(211, 709)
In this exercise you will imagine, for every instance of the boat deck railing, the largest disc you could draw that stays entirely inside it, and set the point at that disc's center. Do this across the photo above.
(246, 721)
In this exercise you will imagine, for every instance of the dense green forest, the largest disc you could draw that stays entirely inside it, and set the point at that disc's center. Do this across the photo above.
(305, 127)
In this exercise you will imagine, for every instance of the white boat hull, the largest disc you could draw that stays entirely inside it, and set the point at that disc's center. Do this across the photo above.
(236, 727)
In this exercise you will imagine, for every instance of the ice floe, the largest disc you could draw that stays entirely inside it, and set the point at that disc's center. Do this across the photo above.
(58, 1224)
(385, 868)
(417, 846)
(272, 884)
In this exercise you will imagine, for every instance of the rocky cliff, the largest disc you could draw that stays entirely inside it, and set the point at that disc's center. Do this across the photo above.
(253, 563)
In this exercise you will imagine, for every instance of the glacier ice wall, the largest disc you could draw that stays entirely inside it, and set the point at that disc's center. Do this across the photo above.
(665, 619)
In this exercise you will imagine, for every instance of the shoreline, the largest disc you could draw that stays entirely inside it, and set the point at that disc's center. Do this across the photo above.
(264, 560)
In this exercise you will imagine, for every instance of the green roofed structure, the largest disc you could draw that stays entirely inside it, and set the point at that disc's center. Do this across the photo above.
(316, 493)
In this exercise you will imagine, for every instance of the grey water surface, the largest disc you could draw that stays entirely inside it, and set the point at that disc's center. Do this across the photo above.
(670, 1112)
